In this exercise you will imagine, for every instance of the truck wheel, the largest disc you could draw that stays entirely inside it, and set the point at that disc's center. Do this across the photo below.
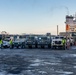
(38, 46)
(55, 47)
(17, 47)
(52, 47)
(42, 47)
(49, 46)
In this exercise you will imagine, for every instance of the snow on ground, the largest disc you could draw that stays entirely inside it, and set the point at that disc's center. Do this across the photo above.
(73, 47)
(3, 73)
(35, 64)
(38, 62)
(75, 67)
(43, 72)
(65, 72)
(51, 63)
(69, 55)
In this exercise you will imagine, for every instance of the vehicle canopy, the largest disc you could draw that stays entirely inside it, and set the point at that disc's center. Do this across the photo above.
(43, 37)
(30, 38)
(19, 40)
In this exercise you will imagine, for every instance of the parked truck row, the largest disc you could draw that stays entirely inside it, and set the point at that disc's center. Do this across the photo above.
(37, 42)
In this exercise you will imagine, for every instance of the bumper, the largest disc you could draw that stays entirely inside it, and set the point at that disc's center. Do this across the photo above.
(6, 46)
(58, 47)
(44, 45)
(30, 45)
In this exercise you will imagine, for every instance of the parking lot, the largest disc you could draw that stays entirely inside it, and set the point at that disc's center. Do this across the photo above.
(37, 62)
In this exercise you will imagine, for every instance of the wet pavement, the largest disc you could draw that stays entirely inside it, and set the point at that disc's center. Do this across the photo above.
(37, 62)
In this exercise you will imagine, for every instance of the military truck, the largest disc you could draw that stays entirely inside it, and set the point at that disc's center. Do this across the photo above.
(30, 42)
(19, 43)
(43, 42)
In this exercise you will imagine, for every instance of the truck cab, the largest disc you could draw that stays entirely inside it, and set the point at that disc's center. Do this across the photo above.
(30, 42)
(57, 42)
(43, 42)
(19, 43)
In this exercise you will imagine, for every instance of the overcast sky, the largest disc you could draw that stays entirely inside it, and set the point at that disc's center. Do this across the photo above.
(34, 16)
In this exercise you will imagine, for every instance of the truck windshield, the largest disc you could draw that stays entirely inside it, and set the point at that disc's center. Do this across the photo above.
(44, 38)
(56, 37)
(59, 37)
(31, 38)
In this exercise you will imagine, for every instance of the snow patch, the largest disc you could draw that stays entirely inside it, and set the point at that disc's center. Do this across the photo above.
(12, 74)
(37, 60)
(28, 70)
(65, 72)
(35, 64)
(2, 73)
(74, 47)
(42, 72)
(47, 63)
(73, 55)
(74, 66)
(69, 55)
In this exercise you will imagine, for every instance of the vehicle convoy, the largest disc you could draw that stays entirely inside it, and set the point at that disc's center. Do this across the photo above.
(43, 42)
(19, 43)
(30, 42)
(57, 43)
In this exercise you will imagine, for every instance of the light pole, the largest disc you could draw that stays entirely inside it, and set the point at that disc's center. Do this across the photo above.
(57, 30)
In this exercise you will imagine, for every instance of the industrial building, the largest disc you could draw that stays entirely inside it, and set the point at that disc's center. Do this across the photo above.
(70, 23)
(70, 27)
